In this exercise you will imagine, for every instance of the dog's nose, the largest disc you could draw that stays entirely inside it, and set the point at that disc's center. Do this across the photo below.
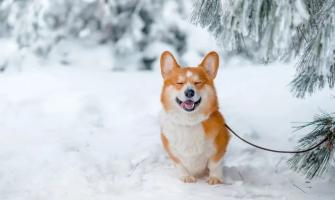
(189, 93)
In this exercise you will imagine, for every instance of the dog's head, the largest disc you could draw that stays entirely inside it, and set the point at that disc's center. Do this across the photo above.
(189, 89)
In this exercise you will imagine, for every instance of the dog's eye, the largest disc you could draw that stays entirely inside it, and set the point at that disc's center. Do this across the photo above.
(197, 82)
(179, 83)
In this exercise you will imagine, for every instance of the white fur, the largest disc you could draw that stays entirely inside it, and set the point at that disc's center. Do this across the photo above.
(215, 169)
(186, 135)
(209, 65)
(180, 116)
(168, 65)
(189, 74)
(188, 143)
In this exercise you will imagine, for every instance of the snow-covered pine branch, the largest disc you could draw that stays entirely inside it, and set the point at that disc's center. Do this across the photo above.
(316, 162)
(260, 29)
(269, 30)
(316, 67)
(131, 28)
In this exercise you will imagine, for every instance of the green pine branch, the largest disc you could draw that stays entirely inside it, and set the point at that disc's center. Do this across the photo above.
(315, 162)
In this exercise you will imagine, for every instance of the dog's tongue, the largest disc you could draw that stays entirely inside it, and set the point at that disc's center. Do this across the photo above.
(188, 104)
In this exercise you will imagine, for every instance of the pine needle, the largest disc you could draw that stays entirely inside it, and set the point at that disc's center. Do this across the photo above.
(315, 162)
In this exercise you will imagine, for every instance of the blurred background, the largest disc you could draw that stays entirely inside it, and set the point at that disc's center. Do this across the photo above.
(80, 96)
(124, 34)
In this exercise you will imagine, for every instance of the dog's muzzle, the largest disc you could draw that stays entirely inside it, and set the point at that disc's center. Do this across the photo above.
(188, 105)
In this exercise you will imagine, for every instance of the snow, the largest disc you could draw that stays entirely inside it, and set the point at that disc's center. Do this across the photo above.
(84, 132)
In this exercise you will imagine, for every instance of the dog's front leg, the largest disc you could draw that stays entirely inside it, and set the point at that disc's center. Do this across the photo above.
(215, 172)
(215, 162)
(185, 176)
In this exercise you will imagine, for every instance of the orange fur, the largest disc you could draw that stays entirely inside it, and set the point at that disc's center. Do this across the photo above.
(214, 128)
(166, 146)
(172, 80)
(202, 76)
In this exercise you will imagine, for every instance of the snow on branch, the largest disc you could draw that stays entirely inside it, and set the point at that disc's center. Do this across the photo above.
(315, 162)
(270, 30)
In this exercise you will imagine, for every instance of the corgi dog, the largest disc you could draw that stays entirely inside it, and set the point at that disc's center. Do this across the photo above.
(193, 130)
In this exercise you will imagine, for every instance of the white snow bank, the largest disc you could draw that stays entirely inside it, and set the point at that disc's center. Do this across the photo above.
(79, 133)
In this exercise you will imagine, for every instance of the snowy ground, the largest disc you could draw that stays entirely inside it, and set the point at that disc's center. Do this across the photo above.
(72, 133)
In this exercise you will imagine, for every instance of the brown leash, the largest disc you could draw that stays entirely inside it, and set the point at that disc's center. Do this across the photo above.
(273, 150)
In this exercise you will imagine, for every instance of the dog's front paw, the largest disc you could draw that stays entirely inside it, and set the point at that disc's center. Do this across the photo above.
(188, 179)
(214, 181)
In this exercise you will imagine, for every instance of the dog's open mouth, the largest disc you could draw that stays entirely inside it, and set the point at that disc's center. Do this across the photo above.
(188, 105)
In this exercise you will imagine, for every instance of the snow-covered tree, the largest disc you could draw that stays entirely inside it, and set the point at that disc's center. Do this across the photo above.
(133, 26)
(269, 30)
(130, 27)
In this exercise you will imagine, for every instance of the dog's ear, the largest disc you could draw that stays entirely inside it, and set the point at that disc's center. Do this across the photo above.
(168, 63)
(211, 63)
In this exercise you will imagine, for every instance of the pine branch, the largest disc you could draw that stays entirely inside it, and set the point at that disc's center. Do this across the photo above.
(251, 27)
(269, 30)
(316, 66)
(212, 18)
(315, 162)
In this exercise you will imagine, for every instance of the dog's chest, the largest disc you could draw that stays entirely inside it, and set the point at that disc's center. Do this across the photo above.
(187, 140)
(188, 143)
